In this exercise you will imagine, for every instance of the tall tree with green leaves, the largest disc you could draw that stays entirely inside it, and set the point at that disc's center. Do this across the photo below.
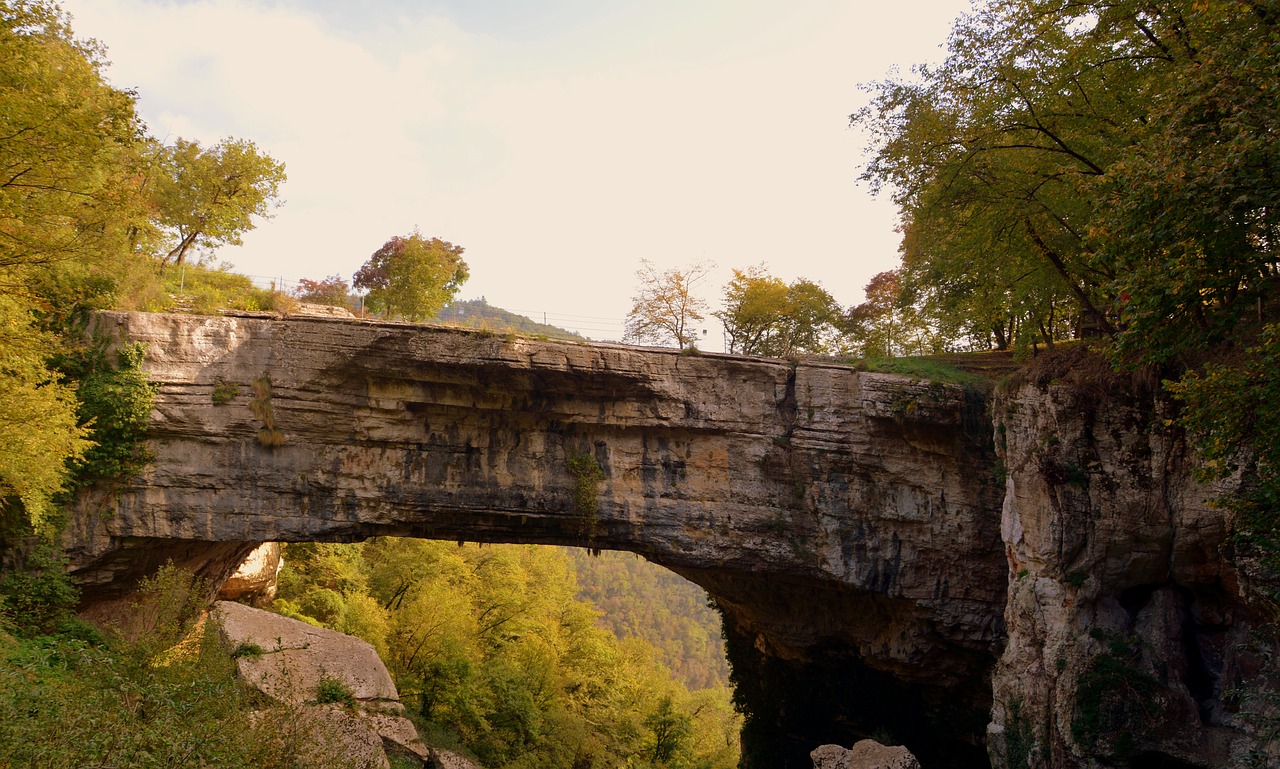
(68, 142)
(764, 316)
(412, 277)
(68, 146)
(1116, 156)
(209, 196)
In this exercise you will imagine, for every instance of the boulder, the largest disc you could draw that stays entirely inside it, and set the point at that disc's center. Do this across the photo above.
(866, 754)
(289, 661)
(444, 759)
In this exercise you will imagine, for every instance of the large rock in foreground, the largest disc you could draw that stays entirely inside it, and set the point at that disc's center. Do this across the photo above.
(865, 754)
(313, 668)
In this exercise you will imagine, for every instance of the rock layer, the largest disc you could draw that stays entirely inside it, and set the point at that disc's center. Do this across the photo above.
(834, 515)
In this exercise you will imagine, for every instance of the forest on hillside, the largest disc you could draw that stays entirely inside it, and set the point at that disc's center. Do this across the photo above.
(498, 654)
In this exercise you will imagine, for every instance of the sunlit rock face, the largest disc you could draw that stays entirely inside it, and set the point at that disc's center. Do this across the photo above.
(1131, 638)
(842, 520)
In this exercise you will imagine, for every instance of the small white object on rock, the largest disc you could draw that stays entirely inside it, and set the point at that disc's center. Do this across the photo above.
(866, 754)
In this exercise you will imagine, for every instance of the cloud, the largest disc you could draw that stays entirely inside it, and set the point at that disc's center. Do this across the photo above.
(558, 154)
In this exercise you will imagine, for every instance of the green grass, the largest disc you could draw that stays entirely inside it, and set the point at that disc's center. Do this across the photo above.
(923, 368)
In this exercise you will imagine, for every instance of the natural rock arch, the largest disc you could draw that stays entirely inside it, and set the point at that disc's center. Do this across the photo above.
(847, 523)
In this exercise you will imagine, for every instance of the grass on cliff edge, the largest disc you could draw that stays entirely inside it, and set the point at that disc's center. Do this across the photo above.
(971, 369)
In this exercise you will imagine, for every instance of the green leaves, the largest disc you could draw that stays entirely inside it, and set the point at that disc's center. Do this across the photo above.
(38, 425)
(764, 316)
(494, 648)
(1099, 165)
(66, 143)
(208, 197)
(412, 277)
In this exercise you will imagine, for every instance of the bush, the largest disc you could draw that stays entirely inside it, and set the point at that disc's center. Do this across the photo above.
(330, 690)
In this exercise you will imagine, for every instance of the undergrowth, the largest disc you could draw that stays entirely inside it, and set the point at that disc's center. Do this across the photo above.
(133, 696)
(919, 368)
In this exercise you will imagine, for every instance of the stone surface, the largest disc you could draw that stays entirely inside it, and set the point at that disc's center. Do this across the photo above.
(1119, 586)
(254, 580)
(865, 754)
(295, 657)
(445, 759)
(824, 508)
(347, 731)
(399, 735)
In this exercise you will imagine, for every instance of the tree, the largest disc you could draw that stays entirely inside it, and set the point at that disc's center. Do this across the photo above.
(38, 426)
(208, 197)
(66, 143)
(412, 277)
(664, 306)
(754, 304)
(332, 291)
(670, 730)
(1114, 157)
(764, 316)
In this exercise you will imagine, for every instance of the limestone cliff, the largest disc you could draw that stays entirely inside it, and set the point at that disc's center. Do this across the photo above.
(849, 525)
(1129, 632)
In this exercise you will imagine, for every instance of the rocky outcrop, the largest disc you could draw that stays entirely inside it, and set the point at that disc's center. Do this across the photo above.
(865, 754)
(842, 520)
(254, 580)
(1129, 634)
(316, 669)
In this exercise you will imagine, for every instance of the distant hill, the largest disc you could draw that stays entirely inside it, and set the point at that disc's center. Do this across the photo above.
(643, 600)
(477, 313)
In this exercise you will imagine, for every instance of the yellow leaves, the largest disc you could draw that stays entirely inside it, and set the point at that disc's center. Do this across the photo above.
(38, 428)
(665, 307)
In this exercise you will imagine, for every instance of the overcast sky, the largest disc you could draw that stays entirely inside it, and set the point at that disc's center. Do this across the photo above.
(558, 141)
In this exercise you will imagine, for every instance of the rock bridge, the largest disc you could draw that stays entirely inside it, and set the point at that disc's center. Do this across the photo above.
(846, 523)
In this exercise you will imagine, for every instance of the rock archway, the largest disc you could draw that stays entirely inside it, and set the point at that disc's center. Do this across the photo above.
(847, 523)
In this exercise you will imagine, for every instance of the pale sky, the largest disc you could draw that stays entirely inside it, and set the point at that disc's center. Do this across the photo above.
(558, 141)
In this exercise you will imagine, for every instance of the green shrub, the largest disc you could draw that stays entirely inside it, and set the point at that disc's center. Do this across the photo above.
(330, 690)
(115, 402)
(587, 474)
(223, 392)
(247, 651)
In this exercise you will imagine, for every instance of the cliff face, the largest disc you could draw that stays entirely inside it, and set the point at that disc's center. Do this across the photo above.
(1129, 634)
(847, 523)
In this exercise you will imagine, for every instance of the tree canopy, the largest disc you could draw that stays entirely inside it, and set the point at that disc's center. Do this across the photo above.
(764, 316)
(68, 144)
(209, 196)
(1111, 162)
(412, 277)
(665, 305)
(493, 647)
